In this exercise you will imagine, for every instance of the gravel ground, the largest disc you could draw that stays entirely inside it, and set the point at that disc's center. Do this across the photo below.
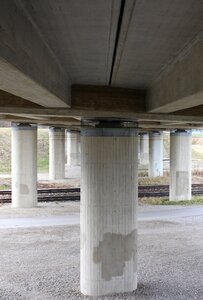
(43, 263)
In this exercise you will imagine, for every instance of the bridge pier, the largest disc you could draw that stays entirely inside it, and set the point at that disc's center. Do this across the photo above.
(109, 183)
(73, 148)
(144, 149)
(56, 153)
(24, 165)
(155, 154)
(180, 165)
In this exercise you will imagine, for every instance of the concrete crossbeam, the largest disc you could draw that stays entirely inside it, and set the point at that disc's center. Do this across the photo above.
(108, 98)
(85, 113)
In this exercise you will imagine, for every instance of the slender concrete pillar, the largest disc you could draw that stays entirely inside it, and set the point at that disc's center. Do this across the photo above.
(24, 165)
(56, 153)
(180, 165)
(138, 145)
(109, 184)
(155, 154)
(73, 148)
(144, 149)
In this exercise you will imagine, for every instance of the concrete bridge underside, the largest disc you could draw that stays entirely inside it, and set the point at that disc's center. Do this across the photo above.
(138, 62)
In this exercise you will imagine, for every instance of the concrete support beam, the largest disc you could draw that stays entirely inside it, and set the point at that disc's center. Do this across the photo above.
(109, 168)
(73, 148)
(155, 154)
(144, 149)
(7, 99)
(28, 66)
(24, 165)
(180, 165)
(56, 153)
(181, 85)
(106, 98)
(91, 114)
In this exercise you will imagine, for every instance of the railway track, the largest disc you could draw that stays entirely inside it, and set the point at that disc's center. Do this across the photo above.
(73, 194)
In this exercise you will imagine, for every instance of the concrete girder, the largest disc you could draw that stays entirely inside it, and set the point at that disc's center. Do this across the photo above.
(180, 86)
(151, 35)
(28, 66)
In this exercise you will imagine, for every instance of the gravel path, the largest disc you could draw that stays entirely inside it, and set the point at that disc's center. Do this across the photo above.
(43, 263)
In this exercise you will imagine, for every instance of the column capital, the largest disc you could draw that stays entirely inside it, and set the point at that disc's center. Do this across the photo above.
(143, 133)
(109, 128)
(182, 132)
(23, 126)
(56, 128)
(72, 131)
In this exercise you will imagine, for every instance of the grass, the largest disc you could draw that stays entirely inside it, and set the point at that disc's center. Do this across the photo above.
(43, 164)
(5, 150)
(154, 180)
(165, 201)
(197, 152)
(4, 187)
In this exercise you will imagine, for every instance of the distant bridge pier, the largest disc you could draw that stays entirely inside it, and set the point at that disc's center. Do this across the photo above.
(56, 153)
(156, 154)
(73, 148)
(144, 149)
(109, 188)
(180, 164)
(24, 165)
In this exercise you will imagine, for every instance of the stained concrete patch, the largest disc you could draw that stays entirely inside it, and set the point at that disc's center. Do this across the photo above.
(114, 251)
(23, 188)
(182, 182)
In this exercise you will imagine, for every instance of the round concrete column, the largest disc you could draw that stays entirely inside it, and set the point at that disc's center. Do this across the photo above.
(24, 165)
(109, 184)
(180, 165)
(56, 153)
(73, 148)
(144, 149)
(155, 154)
(138, 146)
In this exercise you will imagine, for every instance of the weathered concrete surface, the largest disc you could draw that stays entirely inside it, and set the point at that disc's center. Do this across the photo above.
(24, 166)
(180, 165)
(109, 166)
